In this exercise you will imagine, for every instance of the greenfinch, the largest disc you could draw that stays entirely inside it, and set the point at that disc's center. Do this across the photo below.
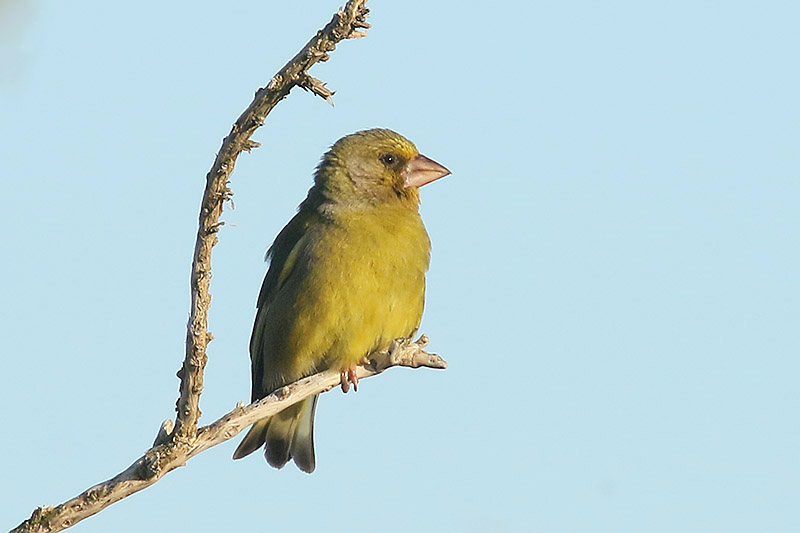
(346, 277)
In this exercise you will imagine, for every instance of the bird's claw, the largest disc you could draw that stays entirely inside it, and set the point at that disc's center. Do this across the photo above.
(347, 377)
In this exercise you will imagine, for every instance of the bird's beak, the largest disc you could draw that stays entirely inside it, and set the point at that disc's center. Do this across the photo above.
(422, 170)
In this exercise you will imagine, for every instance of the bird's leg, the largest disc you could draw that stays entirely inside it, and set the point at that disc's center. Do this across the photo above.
(347, 377)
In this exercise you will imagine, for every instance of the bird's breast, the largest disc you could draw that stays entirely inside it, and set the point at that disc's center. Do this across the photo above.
(370, 273)
(358, 282)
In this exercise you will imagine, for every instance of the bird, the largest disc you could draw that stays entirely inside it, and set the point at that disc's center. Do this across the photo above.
(346, 277)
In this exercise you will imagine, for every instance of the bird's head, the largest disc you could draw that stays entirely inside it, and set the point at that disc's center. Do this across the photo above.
(373, 167)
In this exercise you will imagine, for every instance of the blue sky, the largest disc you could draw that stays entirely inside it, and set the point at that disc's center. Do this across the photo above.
(614, 277)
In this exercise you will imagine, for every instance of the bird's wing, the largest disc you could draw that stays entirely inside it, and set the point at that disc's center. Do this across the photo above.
(283, 256)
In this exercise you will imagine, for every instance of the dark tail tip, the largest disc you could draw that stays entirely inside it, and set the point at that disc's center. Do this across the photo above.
(277, 452)
(253, 440)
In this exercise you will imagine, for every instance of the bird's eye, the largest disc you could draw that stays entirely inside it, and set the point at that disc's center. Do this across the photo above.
(388, 159)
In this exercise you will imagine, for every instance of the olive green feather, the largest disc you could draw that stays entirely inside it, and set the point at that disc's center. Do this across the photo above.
(346, 277)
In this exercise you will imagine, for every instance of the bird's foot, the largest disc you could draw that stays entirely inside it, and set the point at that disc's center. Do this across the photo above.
(347, 377)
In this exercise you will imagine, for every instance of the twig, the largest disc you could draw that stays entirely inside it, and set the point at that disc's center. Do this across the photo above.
(163, 458)
(346, 24)
(174, 448)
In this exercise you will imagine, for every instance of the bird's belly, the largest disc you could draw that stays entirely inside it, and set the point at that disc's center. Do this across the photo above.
(377, 303)
(357, 289)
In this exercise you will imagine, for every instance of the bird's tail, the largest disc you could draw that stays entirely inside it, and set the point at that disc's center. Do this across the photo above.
(288, 435)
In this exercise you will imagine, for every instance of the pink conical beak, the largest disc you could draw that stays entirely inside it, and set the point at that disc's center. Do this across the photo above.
(422, 170)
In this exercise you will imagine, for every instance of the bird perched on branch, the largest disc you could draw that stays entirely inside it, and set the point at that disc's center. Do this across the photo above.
(346, 278)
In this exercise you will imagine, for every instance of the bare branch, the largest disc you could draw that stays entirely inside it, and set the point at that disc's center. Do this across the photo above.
(345, 24)
(165, 457)
(173, 447)
(316, 86)
(177, 442)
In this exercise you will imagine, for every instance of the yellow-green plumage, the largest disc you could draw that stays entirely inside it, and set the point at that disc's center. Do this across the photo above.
(346, 277)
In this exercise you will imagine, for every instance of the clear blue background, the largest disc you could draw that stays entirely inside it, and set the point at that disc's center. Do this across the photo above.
(614, 277)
